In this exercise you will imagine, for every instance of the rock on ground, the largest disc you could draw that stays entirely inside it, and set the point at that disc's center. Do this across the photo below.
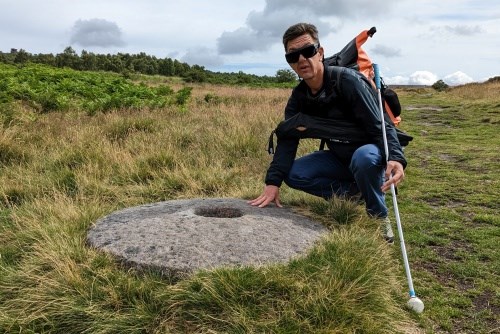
(181, 236)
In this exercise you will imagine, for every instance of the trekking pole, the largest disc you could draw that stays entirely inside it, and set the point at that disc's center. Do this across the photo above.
(414, 303)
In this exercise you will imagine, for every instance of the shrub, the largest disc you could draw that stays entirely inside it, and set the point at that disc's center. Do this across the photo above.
(494, 79)
(440, 85)
(183, 95)
(287, 75)
(212, 98)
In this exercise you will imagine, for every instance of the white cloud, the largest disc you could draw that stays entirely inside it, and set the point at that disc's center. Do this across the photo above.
(428, 78)
(202, 56)
(422, 78)
(242, 39)
(96, 32)
(173, 54)
(457, 78)
(266, 27)
(464, 30)
(386, 51)
(397, 80)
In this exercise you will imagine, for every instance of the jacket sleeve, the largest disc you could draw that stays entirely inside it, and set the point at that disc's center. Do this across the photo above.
(286, 149)
(363, 101)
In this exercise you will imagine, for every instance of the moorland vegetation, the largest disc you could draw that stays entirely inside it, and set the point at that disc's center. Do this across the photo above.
(75, 146)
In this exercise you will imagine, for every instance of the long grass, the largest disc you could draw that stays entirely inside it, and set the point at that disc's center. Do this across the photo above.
(61, 172)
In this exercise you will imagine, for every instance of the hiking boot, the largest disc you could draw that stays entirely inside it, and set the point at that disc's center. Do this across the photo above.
(387, 230)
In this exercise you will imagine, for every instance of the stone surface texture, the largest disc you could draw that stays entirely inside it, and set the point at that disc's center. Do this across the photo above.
(181, 236)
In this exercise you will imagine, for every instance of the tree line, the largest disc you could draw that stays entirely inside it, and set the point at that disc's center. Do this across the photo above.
(142, 63)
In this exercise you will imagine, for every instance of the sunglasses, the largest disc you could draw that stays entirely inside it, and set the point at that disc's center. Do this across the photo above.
(307, 51)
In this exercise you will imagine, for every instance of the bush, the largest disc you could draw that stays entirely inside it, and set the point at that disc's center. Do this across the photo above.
(494, 79)
(183, 96)
(286, 76)
(440, 85)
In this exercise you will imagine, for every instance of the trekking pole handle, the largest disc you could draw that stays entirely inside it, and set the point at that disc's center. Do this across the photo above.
(377, 76)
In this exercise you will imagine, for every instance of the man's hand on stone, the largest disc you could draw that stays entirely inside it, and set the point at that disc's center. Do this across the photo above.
(270, 194)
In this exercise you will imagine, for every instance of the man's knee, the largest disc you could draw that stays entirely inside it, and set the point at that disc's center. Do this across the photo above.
(366, 157)
(295, 179)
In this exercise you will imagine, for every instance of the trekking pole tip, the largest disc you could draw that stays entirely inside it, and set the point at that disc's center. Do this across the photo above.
(415, 304)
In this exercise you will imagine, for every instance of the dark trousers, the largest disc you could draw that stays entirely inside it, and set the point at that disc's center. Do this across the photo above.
(322, 174)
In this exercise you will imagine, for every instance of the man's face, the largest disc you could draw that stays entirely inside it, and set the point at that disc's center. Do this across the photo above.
(306, 68)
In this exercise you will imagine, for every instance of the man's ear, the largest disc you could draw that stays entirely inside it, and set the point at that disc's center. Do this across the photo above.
(321, 53)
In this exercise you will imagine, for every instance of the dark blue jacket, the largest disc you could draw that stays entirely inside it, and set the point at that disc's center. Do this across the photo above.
(348, 98)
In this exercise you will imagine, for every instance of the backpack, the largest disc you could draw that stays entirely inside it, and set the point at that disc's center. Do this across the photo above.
(351, 56)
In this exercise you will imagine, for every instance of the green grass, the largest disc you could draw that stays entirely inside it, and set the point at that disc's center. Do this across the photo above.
(450, 203)
(60, 172)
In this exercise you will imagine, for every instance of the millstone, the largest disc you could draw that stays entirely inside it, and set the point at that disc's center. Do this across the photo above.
(181, 236)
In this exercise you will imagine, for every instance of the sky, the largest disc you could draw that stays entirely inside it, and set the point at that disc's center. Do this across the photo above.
(417, 41)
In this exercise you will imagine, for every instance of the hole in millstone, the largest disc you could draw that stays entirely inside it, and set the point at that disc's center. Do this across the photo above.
(218, 212)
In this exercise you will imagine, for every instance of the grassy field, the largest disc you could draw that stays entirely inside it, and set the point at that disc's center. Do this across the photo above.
(61, 171)
(451, 206)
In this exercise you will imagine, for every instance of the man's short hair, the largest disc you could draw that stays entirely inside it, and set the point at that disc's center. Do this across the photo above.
(298, 30)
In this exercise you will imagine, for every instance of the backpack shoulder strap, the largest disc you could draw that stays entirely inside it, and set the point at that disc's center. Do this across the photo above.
(334, 74)
(338, 81)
